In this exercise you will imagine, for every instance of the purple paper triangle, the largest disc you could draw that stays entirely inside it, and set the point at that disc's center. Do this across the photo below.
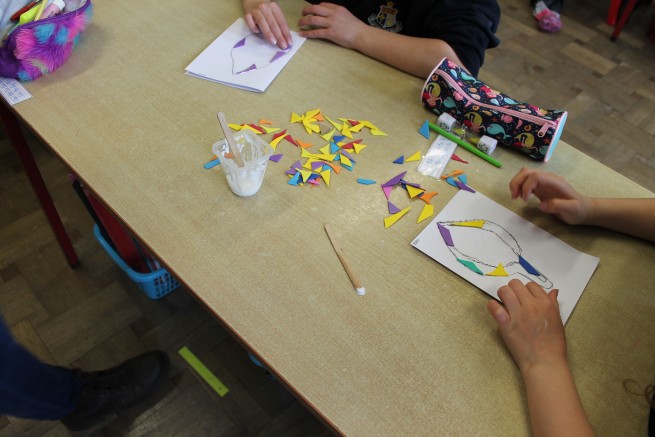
(275, 158)
(392, 208)
(445, 234)
(394, 180)
(463, 186)
(387, 190)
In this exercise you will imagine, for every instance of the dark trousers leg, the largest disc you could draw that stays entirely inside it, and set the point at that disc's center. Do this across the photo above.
(32, 389)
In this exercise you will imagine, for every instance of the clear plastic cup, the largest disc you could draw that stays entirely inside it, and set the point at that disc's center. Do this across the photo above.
(244, 181)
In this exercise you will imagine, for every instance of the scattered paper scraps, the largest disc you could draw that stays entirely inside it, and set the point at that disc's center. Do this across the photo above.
(457, 158)
(414, 191)
(366, 181)
(336, 145)
(399, 160)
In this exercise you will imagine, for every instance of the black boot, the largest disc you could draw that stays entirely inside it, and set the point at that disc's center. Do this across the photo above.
(112, 390)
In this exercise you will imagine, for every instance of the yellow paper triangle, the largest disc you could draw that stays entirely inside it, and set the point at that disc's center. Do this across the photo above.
(345, 131)
(250, 128)
(295, 118)
(413, 191)
(415, 157)
(276, 141)
(312, 114)
(305, 154)
(357, 127)
(305, 174)
(498, 271)
(358, 147)
(346, 161)
(325, 149)
(377, 132)
(470, 223)
(427, 212)
(308, 163)
(328, 135)
(326, 157)
(333, 123)
(270, 130)
(236, 127)
(326, 177)
(388, 221)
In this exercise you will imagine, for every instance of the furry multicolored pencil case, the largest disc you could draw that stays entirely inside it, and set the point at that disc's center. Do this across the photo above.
(41, 47)
(533, 130)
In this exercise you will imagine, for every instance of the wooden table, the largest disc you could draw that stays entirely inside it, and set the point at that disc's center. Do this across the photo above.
(418, 354)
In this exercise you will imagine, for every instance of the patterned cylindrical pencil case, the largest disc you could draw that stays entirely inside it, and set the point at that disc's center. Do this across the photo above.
(40, 47)
(533, 130)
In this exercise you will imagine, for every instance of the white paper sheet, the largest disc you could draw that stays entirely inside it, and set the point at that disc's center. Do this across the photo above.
(242, 59)
(483, 234)
(13, 91)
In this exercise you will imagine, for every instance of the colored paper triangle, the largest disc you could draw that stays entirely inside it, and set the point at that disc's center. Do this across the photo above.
(295, 179)
(325, 149)
(275, 158)
(498, 271)
(463, 178)
(345, 161)
(333, 147)
(427, 212)
(471, 266)
(453, 174)
(457, 158)
(425, 130)
(326, 177)
(328, 135)
(413, 191)
(392, 208)
(358, 147)
(305, 174)
(463, 186)
(345, 131)
(387, 190)
(451, 181)
(445, 234)
(394, 180)
(400, 160)
(470, 223)
(392, 219)
(415, 157)
(270, 130)
(295, 118)
(365, 181)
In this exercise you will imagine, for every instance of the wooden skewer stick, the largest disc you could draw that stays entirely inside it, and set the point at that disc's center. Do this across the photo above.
(342, 257)
(236, 153)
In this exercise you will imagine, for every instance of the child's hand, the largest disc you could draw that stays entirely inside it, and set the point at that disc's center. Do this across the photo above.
(530, 324)
(555, 193)
(331, 22)
(266, 17)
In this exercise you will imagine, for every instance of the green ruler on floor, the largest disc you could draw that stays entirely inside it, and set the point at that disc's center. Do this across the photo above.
(203, 371)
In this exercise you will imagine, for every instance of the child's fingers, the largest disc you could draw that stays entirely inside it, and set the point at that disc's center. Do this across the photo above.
(509, 298)
(498, 312)
(517, 181)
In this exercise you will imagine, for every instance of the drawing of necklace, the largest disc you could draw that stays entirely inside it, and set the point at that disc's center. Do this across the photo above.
(488, 249)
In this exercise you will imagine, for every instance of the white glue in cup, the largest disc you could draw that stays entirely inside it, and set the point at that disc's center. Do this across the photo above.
(446, 121)
(487, 144)
(244, 181)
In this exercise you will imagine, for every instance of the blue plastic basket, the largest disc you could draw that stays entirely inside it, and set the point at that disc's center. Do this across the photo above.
(155, 285)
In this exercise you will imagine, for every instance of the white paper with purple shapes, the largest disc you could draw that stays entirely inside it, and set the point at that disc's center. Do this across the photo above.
(242, 59)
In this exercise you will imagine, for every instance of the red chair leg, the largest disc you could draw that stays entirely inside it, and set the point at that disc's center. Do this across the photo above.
(17, 140)
(623, 19)
(613, 12)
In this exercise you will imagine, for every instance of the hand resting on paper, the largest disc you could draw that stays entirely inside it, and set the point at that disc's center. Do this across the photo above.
(266, 17)
(529, 322)
(559, 198)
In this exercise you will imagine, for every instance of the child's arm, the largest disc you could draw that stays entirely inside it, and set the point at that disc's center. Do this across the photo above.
(413, 55)
(631, 216)
(530, 324)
